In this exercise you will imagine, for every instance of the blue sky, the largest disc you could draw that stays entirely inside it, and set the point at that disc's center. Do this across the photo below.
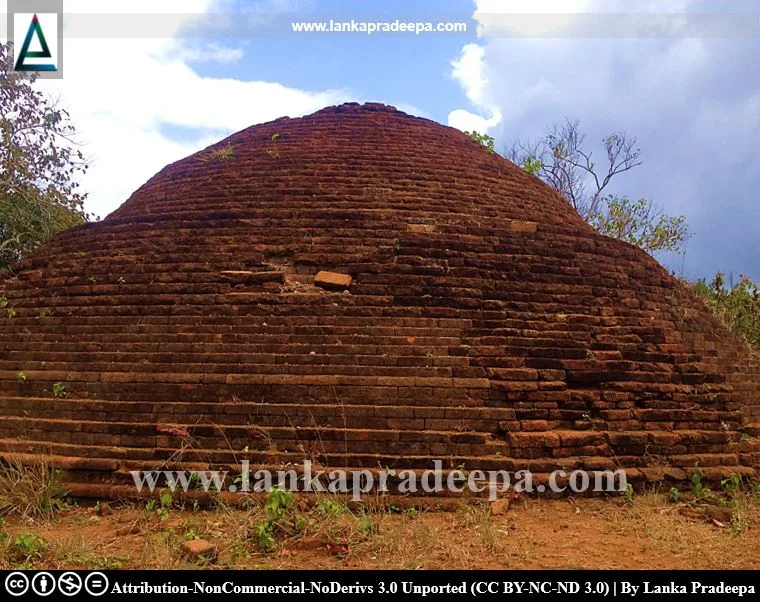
(408, 70)
(691, 99)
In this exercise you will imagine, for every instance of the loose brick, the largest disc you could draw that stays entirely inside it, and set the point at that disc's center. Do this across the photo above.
(332, 280)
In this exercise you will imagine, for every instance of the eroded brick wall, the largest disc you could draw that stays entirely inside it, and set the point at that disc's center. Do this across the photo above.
(484, 321)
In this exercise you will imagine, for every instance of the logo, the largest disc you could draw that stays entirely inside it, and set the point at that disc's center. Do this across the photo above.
(16, 584)
(36, 41)
(43, 584)
(96, 584)
(69, 583)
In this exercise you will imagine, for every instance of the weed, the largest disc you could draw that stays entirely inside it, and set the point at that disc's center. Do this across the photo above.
(21, 377)
(59, 391)
(120, 280)
(478, 518)
(219, 154)
(4, 304)
(28, 547)
(674, 495)
(731, 484)
(281, 517)
(30, 490)
(628, 494)
(368, 525)
(239, 550)
(77, 551)
(698, 490)
(330, 508)
(161, 507)
(484, 140)
(739, 522)
(273, 151)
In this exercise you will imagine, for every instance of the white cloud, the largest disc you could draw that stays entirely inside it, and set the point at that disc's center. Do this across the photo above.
(123, 93)
(516, 17)
(691, 101)
(469, 71)
(210, 53)
(470, 122)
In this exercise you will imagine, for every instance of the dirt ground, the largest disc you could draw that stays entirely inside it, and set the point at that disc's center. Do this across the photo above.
(651, 530)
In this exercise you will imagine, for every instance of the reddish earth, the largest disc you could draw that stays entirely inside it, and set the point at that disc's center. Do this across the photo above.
(651, 533)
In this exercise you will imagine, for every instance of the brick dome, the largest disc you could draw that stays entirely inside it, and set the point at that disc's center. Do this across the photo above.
(363, 288)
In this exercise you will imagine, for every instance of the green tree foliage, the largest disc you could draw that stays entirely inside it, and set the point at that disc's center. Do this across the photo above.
(737, 304)
(39, 164)
(640, 223)
(562, 160)
(484, 140)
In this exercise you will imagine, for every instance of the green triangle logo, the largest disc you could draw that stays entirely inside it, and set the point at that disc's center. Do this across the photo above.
(34, 28)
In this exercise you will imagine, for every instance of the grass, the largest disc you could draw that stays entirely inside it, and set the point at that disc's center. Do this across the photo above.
(31, 490)
(223, 153)
(657, 530)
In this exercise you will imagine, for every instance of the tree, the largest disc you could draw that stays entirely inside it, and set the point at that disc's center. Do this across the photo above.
(641, 223)
(39, 163)
(561, 159)
(737, 304)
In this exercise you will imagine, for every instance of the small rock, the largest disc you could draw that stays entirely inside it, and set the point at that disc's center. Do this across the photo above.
(689, 512)
(196, 548)
(718, 513)
(313, 542)
(132, 529)
(339, 549)
(499, 507)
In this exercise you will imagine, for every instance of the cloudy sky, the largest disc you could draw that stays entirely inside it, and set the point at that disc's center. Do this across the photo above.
(680, 75)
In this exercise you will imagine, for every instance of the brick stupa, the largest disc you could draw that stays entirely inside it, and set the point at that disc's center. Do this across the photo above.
(363, 288)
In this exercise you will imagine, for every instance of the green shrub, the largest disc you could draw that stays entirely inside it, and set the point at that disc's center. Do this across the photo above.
(281, 518)
(736, 304)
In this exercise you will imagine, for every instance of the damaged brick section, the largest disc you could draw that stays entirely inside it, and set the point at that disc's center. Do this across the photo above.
(247, 277)
(422, 228)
